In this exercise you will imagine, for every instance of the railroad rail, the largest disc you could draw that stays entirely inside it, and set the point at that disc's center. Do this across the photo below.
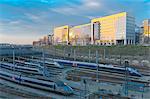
(104, 77)
(21, 93)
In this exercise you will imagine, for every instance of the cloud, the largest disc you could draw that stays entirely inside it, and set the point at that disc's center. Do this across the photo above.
(91, 4)
(32, 16)
(16, 22)
(86, 7)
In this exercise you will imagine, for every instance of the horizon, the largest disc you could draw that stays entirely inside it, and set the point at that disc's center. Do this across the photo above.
(24, 21)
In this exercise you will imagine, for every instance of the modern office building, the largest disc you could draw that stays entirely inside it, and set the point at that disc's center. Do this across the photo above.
(80, 35)
(146, 31)
(138, 30)
(114, 29)
(61, 35)
(146, 26)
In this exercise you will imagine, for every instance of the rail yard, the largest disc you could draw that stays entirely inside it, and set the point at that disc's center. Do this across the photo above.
(34, 74)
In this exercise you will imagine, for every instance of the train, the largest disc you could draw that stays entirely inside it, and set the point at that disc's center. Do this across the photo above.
(38, 70)
(109, 68)
(34, 65)
(15, 67)
(47, 63)
(42, 61)
(54, 86)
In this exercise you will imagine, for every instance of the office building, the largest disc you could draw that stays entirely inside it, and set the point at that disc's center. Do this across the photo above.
(146, 26)
(113, 30)
(80, 35)
(146, 31)
(116, 29)
(61, 35)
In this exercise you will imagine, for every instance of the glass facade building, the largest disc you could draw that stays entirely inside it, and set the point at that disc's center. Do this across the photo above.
(108, 30)
(146, 25)
(61, 35)
(146, 31)
(80, 35)
(114, 29)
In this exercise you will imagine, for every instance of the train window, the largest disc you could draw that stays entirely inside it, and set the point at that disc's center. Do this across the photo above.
(29, 69)
(6, 75)
(42, 84)
(60, 83)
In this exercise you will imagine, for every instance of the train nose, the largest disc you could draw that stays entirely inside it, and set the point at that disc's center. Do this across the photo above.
(140, 75)
(137, 74)
(68, 89)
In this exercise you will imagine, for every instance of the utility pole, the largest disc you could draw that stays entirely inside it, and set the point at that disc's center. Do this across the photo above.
(13, 57)
(97, 66)
(64, 52)
(84, 81)
(126, 78)
(74, 54)
(89, 55)
(43, 55)
(104, 54)
(71, 52)
(120, 56)
(120, 60)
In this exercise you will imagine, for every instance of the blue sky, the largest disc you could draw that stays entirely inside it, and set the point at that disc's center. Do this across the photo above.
(22, 21)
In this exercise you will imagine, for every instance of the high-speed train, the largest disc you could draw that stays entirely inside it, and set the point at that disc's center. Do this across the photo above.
(109, 68)
(38, 70)
(30, 64)
(40, 61)
(55, 86)
(27, 70)
(47, 63)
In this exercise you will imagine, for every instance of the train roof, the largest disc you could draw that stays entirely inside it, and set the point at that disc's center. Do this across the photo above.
(86, 63)
(13, 74)
(21, 67)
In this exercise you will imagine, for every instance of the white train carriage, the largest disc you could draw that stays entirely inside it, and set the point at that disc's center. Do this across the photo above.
(23, 69)
(48, 63)
(58, 86)
(109, 68)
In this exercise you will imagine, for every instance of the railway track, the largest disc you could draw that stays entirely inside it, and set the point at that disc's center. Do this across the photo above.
(19, 92)
(105, 77)
(144, 70)
(108, 72)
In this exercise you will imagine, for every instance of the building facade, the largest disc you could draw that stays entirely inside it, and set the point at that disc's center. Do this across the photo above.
(80, 35)
(114, 29)
(61, 35)
(146, 26)
(146, 31)
(46, 40)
